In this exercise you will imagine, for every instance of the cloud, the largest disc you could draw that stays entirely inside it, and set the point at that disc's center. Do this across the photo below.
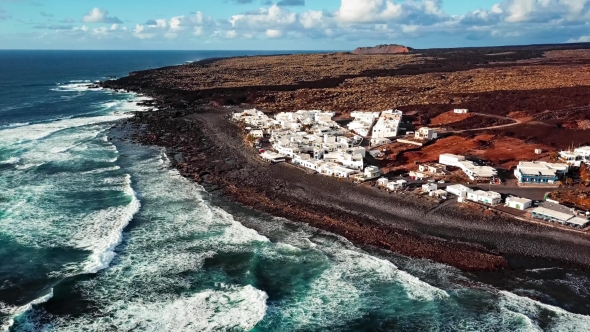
(581, 39)
(273, 33)
(53, 27)
(44, 14)
(97, 15)
(285, 3)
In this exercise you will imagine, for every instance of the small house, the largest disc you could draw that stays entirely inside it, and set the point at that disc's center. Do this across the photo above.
(429, 187)
(487, 197)
(438, 194)
(460, 111)
(459, 190)
(518, 203)
(382, 182)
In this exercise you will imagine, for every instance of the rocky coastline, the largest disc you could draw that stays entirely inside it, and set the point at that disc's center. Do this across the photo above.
(207, 148)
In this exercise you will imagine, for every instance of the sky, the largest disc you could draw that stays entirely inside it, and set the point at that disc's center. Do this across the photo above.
(288, 24)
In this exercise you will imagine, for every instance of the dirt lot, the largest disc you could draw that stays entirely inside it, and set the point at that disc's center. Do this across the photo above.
(500, 150)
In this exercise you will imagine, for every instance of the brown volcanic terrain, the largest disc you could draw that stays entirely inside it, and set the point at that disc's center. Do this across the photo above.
(382, 49)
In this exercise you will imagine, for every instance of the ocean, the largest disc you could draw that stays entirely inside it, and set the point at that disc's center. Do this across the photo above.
(103, 235)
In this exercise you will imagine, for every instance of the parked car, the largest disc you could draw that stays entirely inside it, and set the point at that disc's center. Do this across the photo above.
(430, 181)
(441, 181)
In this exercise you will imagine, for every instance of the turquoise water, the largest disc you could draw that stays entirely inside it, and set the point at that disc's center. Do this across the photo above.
(102, 235)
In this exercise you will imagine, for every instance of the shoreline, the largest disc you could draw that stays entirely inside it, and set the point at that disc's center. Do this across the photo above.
(207, 148)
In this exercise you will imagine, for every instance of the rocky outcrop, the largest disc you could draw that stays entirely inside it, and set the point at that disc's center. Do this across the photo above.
(382, 49)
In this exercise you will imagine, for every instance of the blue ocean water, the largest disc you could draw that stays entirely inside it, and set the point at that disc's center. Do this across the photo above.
(102, 235)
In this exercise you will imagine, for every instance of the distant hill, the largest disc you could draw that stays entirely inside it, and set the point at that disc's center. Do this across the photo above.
(383, 49)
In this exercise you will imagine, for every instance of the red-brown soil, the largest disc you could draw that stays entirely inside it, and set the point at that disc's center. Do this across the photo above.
(448, 117)
(502, 151)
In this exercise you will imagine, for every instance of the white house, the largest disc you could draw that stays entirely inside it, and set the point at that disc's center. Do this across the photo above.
(577, 157)
(461, 111)
(418, 175)
(429, 187)
(257, 133)
(272, 157)
(426, 133)
(432, 168)
(487, 197)
(382, 182)
(363, 121)
(459, 190)
(387, 125)
(473, 171)
(397, 185)
(518, 203)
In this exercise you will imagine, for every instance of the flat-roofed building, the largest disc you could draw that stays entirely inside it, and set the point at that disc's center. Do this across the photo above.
(518, 203)
(539, 172)
(459, 190)
(487, 197)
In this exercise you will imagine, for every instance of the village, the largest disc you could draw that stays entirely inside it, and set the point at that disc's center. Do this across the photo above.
(350, 149)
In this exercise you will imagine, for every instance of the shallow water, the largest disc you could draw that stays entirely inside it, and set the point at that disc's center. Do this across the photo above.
(102, 235)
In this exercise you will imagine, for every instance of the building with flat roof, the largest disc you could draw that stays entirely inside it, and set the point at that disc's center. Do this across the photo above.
(576, 157)
(471, 169)
(459, 190)
(487, 197)
(539, 172)
(518, 203)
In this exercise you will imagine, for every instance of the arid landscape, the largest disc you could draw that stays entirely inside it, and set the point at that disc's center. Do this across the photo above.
(538, 95)
(521, 99)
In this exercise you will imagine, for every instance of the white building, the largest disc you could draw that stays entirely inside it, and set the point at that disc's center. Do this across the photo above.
(472, 170)
(459, 190)
(426, 134)
(383, 182)
(272, 157)
(363, 122)
(487, 197)
(461, 111)
(518, 203)
(387, 126)
(432, 168)
(429, 187)
(397, 185)
(576, 157)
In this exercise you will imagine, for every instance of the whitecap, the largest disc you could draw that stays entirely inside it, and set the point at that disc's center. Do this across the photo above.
(14, 311)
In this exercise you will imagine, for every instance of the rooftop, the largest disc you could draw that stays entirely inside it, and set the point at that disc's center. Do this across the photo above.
(518, 200)
(553, 214)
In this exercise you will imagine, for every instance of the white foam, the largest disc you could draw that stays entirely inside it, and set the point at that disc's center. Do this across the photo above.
(529, 309)
(233, 309)
(11, 160)
(104, 231)
(15, 312)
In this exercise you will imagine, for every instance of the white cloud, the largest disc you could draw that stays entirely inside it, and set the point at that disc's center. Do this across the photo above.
(97, 15)
(231, 34)
(581, 39)
(274, 33)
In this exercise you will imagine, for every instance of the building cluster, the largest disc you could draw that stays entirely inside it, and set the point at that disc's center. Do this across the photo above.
(390, 185)
(576, 156)
(311, 139)
(471, 169)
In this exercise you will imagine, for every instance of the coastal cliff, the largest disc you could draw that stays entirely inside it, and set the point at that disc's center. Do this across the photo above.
(383, 49)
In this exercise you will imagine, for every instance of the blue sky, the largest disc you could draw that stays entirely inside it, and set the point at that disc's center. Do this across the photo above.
(288, 24)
